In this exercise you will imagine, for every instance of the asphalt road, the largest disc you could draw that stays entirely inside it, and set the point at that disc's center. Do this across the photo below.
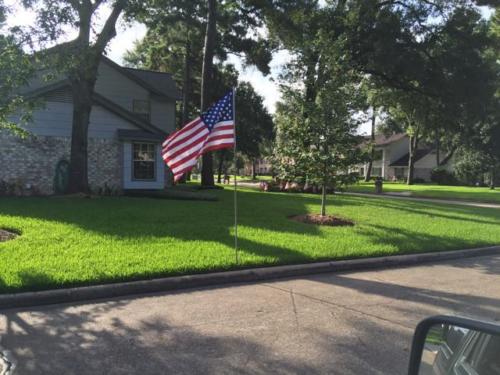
(350, 323)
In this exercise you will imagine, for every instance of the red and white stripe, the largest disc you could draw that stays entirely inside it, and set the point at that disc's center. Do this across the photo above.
(182, 149)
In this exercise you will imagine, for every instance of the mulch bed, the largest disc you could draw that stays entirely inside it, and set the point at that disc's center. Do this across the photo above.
(6, 235)
(317, 219)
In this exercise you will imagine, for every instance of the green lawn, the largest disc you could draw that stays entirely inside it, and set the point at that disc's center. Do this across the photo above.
(76, 241)
(477, 194)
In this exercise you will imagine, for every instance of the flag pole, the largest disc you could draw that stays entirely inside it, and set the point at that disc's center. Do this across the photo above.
(235, 184)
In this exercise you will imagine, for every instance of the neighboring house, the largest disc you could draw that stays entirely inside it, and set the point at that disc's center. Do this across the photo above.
(391, 159)
(262, 166)
(133, 112)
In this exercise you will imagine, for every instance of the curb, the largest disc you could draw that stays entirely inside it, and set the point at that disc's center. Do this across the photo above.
(87, 293)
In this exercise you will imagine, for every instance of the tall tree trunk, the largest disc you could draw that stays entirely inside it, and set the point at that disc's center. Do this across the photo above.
(186, 88)
(492, 177)
(82, 90)
(186, 84)
(323, 199)
(221, 165)
(254, 170)
(438, 151)
(207, 172)
(83, 76)
(412, 156)
(368, 174)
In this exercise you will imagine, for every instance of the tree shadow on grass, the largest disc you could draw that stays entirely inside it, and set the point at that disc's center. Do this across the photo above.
(445, 211)
(410, 241)
(138, 219)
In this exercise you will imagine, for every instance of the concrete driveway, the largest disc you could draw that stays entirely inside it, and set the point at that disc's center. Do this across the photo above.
(351, 323)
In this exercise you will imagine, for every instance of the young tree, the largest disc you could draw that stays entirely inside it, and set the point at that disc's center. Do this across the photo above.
(319, 145)
(316, 123)
(78, 60)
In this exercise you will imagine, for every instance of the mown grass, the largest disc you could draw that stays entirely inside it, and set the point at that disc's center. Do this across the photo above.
(469, 193)
(77, 241)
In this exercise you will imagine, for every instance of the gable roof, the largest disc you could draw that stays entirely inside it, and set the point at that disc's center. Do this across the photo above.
(403, 161)
(162, 82)
(127, 115)
(105, 103)
(382, 140)
(159, 83)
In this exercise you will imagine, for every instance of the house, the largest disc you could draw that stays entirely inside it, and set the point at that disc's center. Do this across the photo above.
(391, 158)
(133, 112)
(262, 166)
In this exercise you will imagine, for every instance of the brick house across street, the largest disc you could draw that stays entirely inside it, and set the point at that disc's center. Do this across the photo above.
(133, 112)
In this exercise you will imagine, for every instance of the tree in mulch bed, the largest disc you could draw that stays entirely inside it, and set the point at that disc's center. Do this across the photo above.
(316, 137)
(317, 219)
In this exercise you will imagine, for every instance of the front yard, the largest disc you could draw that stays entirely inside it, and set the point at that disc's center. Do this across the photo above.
(76, 241)
(469, 193)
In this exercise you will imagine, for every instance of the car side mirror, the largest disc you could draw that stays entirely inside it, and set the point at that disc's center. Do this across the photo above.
(445, 345)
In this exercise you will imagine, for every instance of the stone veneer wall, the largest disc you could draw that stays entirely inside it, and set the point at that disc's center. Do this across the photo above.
(32, 161)
(105, 158)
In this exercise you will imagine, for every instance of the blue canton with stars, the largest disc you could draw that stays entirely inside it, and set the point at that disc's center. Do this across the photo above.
(220, 111)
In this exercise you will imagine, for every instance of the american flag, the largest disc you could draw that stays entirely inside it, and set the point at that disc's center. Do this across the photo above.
(213, 130)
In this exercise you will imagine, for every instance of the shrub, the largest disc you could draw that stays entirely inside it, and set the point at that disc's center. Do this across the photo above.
(443, 177)
(270, 186)
(17, 188)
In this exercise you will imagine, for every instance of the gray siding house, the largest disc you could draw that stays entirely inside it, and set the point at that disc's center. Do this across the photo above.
(391, 159)
(133, 112)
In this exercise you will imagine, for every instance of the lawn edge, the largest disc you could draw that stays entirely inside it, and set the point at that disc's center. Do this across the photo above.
(106, 291)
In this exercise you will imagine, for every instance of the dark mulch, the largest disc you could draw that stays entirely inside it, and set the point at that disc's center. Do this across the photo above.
(6, 235)
(317, 219)
(172, 193)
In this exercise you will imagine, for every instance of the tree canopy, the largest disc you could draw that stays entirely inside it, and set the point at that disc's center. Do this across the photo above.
(16, 67)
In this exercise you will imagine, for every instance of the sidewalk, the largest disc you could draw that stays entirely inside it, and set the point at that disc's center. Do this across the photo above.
(400, 196)
(434, 200)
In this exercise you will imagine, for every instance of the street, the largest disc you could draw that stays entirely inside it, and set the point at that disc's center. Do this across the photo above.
(348, 323)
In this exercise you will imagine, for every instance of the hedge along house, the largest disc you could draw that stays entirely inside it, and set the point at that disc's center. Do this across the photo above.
(391, 159)
(133, 111)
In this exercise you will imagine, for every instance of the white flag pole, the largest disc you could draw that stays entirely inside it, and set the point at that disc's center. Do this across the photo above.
(235, 184)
